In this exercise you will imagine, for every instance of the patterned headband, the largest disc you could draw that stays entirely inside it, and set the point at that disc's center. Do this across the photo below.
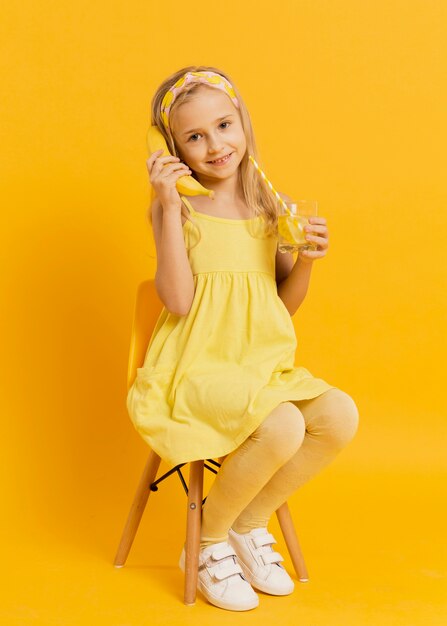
(208, 78)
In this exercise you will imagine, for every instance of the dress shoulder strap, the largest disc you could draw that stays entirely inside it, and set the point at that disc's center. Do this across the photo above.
(188, 204)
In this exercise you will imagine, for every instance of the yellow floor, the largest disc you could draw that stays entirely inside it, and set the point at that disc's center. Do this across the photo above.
(375, 558)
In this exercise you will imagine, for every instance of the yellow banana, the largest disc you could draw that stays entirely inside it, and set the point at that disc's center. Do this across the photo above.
(186, 185)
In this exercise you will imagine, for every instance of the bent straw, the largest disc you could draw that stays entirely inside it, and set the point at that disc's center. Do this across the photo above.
(270, 185)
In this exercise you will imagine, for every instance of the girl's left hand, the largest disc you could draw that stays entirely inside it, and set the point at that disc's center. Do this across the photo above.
(316, 233)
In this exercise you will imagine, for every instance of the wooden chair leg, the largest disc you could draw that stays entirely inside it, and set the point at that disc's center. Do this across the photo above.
(137, 508)
(288, 530)
(193, 525)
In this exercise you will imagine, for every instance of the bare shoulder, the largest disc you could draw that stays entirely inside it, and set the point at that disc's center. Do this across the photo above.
(284, 260)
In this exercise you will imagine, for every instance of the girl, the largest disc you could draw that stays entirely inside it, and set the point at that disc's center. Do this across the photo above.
(219, 375)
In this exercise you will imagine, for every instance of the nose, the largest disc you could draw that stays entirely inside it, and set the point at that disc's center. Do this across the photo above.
(214, 144)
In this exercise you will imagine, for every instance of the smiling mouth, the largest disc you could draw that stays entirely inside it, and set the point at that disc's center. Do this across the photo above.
(222, 160)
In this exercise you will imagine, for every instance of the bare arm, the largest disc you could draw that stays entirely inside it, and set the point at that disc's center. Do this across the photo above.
(293, 289)
(173, 279)
(292, 278)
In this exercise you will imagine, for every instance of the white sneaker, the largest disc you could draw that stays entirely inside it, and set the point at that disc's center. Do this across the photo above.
(261, 565)
(221, 578)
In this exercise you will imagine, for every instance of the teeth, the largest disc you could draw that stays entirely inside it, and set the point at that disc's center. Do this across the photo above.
(221, 160)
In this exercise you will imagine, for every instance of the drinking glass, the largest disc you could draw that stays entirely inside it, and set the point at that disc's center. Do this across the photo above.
(291, 233)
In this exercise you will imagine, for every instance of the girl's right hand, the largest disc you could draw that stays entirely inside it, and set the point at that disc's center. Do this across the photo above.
(164, 177)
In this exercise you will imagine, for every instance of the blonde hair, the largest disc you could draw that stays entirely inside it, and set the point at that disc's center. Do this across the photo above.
(255, 191)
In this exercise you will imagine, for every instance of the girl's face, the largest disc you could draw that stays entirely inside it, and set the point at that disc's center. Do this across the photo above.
(207, 128)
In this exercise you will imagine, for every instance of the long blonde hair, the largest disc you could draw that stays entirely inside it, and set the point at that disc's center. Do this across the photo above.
(255, 191)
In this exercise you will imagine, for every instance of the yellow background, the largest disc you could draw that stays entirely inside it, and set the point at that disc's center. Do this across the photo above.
(348, 105)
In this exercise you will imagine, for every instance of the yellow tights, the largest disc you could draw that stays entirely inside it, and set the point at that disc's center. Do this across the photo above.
(294, 442)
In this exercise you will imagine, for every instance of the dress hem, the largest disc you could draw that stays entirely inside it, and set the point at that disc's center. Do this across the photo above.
(251, 426)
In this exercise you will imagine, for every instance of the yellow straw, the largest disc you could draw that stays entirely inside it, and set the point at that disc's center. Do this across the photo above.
(270, 185)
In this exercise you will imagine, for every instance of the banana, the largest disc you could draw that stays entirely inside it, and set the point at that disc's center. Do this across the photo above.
(186, 185)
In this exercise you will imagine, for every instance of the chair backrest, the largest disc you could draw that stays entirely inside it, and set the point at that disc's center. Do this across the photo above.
(148, 307)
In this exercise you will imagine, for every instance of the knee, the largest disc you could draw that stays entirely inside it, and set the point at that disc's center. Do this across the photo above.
(339, 422)
(284, 429)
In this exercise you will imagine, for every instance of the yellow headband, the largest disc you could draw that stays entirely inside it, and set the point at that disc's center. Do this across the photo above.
(208, 78)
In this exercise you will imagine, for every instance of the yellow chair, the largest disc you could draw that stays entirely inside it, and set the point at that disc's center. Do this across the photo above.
(148, 307)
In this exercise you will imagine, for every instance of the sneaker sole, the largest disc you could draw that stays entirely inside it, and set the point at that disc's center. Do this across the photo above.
(260, 586)
(213, 599)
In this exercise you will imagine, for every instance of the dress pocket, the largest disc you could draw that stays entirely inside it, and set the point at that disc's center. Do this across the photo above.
(146, 377)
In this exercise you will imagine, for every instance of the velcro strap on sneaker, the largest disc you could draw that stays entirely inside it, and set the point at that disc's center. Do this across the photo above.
(264, 540)
(271, 557)
(223, 552)
(229, 570)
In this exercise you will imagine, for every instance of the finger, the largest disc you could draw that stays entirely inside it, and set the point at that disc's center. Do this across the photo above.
(166, 159)
(183, 173)
(180, 170)
(321, 235)
(172, 167)
(153, 157)
(315, 228)
(149, 163)
(166, 169)
(316, 219)
(174, 176)
(321, 242)
(312, 254)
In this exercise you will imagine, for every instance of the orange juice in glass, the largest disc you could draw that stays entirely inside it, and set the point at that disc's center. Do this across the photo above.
(291, 223)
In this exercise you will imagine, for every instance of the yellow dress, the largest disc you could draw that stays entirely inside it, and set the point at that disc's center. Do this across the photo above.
(210, 377)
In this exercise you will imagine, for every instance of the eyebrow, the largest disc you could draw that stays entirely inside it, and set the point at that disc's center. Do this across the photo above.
(218, 120)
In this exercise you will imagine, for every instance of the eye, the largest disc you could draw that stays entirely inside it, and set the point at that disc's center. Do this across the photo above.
(196, 134)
